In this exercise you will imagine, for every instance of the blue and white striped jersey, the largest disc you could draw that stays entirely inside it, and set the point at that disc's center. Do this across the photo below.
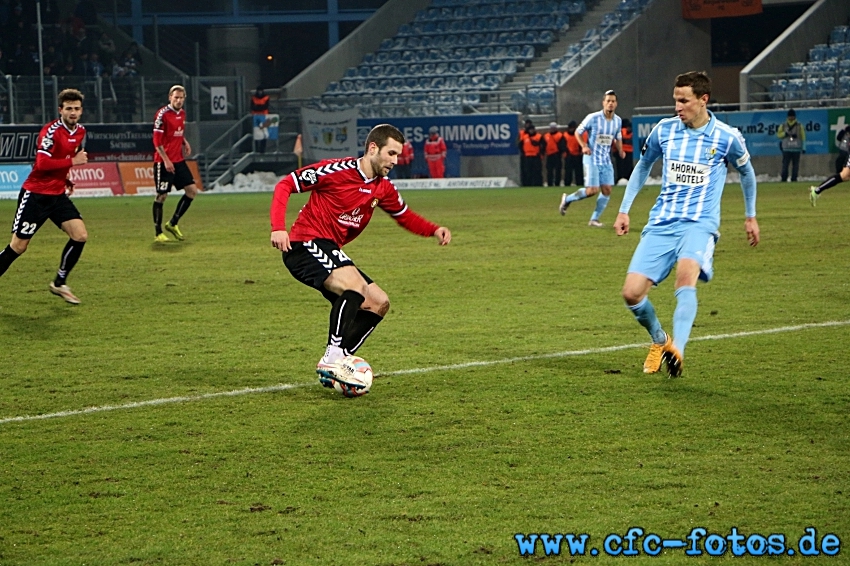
(693, 171)
(601, 133)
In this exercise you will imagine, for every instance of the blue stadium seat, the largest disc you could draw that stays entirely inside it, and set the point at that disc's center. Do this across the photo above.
(776, 90)
(351, 72)
(376, 71)
(441, 68)
(429, 68)
(382, 57)
(413, 42)
(839, 34)
(844, 86)
(818, 52)
(826, 87)
(398, 84)
(368, 58)
(333, 87)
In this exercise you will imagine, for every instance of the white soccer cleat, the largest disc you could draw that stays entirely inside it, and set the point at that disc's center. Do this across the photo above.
(65, 292)
(564, 204)
(595, 224)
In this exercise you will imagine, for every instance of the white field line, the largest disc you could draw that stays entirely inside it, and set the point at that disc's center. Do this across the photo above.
(285, 387)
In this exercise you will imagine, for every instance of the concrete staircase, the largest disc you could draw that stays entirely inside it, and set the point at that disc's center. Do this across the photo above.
(591, 19)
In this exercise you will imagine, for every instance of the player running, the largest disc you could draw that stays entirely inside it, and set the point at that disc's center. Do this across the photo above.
(169, 162)
(44, 194)
(345, 193)
(604, 129)
(682, 229)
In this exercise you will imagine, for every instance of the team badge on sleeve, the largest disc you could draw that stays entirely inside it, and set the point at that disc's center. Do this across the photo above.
(308, 177)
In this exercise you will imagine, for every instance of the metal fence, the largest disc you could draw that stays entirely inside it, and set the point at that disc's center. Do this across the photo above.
(25, 100)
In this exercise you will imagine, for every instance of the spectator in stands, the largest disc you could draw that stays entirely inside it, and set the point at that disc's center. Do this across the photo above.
(792, 141)
(95, 68)
(435, 153)
(131, 59)
(125, 93)
(556, 148)
(531, 150)
(624, 165)
(405, 160)
(572, 163)
(842, 142)
(260, 111)
(106, 47)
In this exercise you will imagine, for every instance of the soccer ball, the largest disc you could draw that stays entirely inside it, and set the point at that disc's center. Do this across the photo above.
(353, 376)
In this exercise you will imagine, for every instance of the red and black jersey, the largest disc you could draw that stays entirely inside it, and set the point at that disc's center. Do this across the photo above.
(57, 146)
(168, 125)
(341, 203)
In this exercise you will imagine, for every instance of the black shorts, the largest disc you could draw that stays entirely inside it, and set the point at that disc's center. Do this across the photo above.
(311, 263)
(34, 209)
(164, 181)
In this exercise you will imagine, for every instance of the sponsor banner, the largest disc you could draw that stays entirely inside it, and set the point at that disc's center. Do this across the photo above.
(328, 135)
(699, 9)
(104, 142)
(11, 179)
(96, 179)
(759, 129)
(137, 176)
(469, 134)
(459, 183)
(124, 142)
(839, 118)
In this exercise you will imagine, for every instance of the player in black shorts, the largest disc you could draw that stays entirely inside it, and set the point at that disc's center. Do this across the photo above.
(44, 194)
(844, 175)
(169, 167)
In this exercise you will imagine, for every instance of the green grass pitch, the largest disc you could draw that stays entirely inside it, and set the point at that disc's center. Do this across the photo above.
(435, 466)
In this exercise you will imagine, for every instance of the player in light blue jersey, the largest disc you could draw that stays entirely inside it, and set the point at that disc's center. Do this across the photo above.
(682, 229)
(603, 128)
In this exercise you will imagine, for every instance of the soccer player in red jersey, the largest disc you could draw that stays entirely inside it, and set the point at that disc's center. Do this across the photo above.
(44, 194)
(169, 162)
(344, 195)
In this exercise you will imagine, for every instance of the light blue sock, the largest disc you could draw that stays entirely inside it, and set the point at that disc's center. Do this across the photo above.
(645, 314)
(684, 316)
(601, 203)
(578, 195)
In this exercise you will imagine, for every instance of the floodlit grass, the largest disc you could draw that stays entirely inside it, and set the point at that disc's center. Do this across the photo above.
(438, 467)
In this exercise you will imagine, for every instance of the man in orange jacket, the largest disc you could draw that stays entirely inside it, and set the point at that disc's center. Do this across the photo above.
(556, 147)
(531, 149)
(435, 153)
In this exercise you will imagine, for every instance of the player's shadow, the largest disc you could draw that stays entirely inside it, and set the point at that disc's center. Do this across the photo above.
(37, 325)
(169, 247)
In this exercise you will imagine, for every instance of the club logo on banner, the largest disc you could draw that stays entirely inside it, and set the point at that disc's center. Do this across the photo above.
(329, 135)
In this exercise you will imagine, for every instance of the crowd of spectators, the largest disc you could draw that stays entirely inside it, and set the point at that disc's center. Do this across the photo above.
(73, 46)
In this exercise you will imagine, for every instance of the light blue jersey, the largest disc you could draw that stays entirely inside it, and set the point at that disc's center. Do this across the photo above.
(693, 172)
(601, 133)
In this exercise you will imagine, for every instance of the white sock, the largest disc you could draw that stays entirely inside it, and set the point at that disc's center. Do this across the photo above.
(332, 355)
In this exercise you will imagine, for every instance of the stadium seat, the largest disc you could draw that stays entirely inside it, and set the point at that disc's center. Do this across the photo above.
(839, 34)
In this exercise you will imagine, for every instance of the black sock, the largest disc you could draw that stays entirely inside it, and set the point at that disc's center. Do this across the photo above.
(70, 255)
(182, 207)
(828, 184)
(7, 256)
(342, 315)
(360, 329)
(157, 217)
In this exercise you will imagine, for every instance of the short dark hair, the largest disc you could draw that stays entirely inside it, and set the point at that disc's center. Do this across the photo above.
(697, 80)
(70, 95)
(382, 133)
(609, 93)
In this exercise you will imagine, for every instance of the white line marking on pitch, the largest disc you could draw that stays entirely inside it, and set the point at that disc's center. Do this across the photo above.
(285, 387)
